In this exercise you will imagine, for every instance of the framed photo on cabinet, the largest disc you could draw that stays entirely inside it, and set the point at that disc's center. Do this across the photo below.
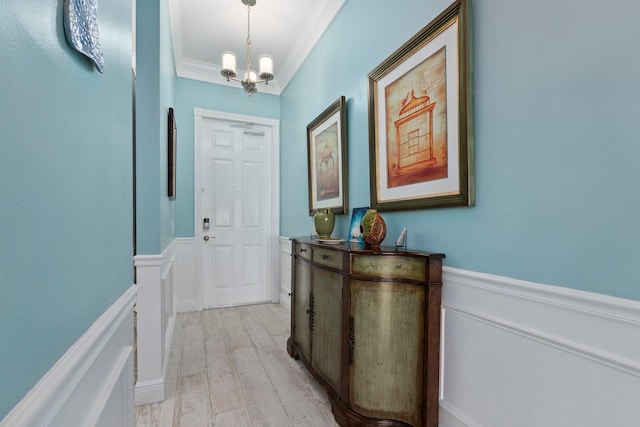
(327, 159)
(421, 118)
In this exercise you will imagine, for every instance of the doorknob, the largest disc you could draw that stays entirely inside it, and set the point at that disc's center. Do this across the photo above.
(206, 238)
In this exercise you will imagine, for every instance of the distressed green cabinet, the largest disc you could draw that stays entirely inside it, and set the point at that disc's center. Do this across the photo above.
(366, 323)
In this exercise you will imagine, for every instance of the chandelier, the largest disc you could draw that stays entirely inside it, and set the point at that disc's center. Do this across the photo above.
(266, 62)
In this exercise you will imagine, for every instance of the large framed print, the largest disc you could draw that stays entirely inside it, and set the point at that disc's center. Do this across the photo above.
(327, 159)
(420, 118)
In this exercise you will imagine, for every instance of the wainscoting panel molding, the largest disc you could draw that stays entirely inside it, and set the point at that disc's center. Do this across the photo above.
(186, 291)
(155, 308)
(517, 353)
(285, 272)
(92, 383)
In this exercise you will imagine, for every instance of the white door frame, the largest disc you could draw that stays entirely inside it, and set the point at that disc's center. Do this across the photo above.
(199, 114)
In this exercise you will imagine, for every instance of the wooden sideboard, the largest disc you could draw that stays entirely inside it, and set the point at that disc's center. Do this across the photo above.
(365, 321)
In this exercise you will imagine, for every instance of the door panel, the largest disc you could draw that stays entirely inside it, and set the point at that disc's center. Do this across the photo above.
(302, 303)
(387, 352)
(327, 332)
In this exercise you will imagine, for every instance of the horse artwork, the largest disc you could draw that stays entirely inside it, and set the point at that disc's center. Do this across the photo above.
(328, 185)
(327, 160)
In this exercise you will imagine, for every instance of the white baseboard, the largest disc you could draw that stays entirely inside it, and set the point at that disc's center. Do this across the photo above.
(186, 306)
(522, 353)
(285, 299)
(91, 384)
(149, 391)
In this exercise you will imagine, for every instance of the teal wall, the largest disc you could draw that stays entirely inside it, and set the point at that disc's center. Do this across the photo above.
(192, 94)
(556, 132)
(66, 168)
(155, 93)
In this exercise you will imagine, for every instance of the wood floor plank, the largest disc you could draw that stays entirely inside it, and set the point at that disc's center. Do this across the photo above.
(173, 366)
(142, 416)
(212, 324)
(234, 333)
(225, 390)
(271, 320)
(281, 313)
(193, 356)
(237, 418)
(192, 317)
(306, 405)
(195, 407)
(263, 403)
(258, 333)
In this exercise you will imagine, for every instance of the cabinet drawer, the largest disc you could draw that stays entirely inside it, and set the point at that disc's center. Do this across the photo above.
(328, 257)
(389, 266)
(303, 250)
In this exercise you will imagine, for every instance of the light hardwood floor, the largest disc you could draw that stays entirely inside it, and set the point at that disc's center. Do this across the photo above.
(230, 367)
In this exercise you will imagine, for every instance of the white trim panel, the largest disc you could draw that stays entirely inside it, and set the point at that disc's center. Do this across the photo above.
(527, 354)
(184, 287)
(91, 384)
(285, 272)
(156, 308)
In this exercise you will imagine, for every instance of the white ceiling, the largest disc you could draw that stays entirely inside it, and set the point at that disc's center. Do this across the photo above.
(284, 29)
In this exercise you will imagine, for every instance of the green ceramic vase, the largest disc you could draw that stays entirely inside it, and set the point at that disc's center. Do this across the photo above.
(324, 221)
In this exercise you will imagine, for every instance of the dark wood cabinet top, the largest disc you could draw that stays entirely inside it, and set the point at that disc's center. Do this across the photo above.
(361, 248)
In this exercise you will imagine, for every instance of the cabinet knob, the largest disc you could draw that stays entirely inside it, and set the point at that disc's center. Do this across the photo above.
(303, 249)
(325, 257)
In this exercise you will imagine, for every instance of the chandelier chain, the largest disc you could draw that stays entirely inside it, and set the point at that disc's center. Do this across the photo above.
(248, 40)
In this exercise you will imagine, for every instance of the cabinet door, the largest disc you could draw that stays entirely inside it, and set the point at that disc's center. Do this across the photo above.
(302, 307)
(387, 332)
(327, 333)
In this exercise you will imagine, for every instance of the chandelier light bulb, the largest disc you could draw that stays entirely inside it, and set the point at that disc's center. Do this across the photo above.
(250, 76)
(266, 67)
(228, 64)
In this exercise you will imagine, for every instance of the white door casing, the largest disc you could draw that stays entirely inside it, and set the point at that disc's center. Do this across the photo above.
(236, 186)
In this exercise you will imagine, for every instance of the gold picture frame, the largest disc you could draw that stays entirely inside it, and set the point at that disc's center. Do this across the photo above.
(421, 118)
(327, 159)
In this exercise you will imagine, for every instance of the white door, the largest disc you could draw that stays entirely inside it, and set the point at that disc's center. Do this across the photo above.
(236, 200)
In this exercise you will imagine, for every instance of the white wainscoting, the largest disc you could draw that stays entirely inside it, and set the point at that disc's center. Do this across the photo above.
(92, 383)
(155, 308)
(187, 296)
(285, 272)
(516, 353)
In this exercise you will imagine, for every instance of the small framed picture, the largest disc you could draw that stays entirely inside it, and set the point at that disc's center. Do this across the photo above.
(355, 233)
(327, 159)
